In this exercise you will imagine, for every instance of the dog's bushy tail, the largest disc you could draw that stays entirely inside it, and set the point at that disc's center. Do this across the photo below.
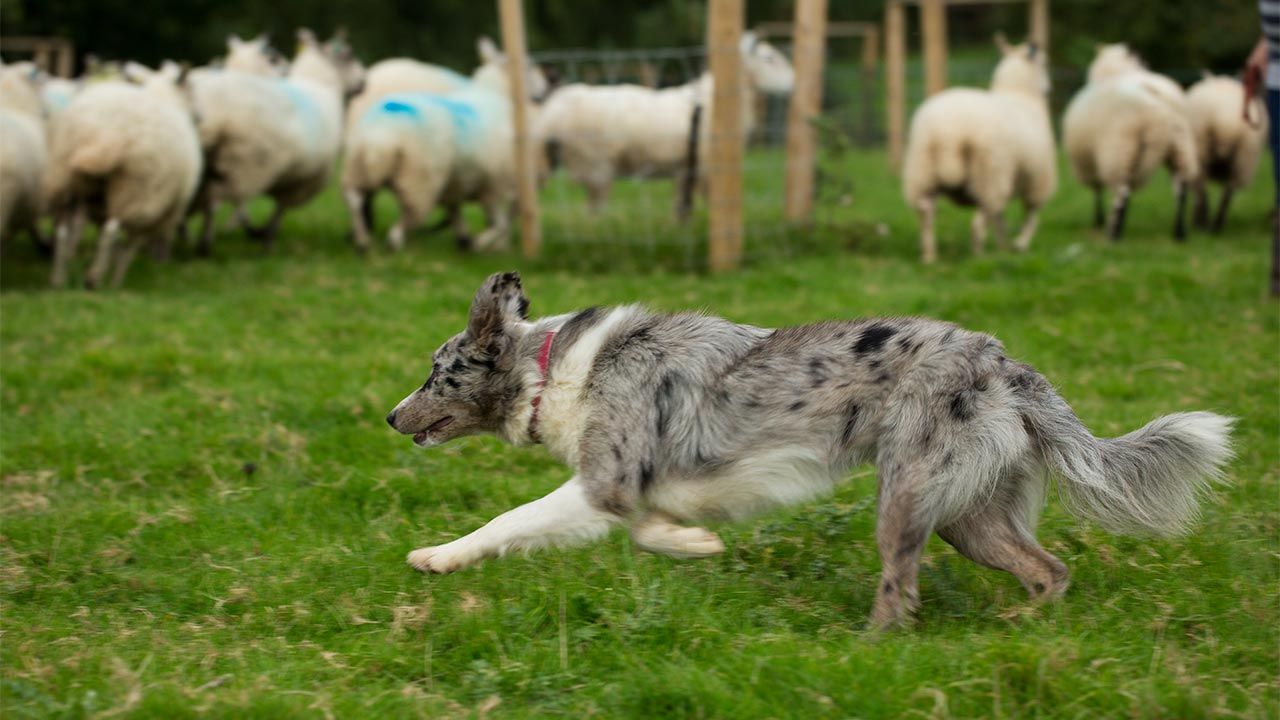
(1146, 482)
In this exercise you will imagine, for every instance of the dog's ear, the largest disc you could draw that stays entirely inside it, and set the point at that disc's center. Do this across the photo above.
(499, 304)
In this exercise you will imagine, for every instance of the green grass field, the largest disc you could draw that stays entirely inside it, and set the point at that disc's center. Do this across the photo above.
(204, 513)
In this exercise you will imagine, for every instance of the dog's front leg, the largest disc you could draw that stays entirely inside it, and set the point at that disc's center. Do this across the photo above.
(564, 517)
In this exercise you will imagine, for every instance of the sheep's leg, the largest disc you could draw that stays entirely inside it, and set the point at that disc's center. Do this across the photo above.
(356, 204)
(1099, 215)
(1180, 213)
(597, 195)
(162, 247)
(1118, 209)
(1221, 218)
(124, 258)
(204, 246)
(106, 251)
(927, 208)
(1200, 213)
(267, 232)
(66, 239)
(461, 233)
(497, 236)
(1022, 243)
(366, 211)
(996, 221)
(978, 232)
(239, 219)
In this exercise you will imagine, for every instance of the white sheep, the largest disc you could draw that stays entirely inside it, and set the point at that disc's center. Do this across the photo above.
(984, 148)
(600, 133)
(434, 149)
(268, 136)
(1126, 122)
(127, 157)
(22, 150)
(1229, 138)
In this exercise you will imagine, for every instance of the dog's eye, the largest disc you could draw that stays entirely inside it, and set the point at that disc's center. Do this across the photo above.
(431, 379)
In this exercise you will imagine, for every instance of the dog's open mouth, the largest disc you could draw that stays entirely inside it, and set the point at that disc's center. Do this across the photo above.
(425, 435)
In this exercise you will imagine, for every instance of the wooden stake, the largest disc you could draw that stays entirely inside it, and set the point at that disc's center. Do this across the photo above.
(933, 26)
(1039, 23)
(808, 50)
(895, 75)
(724, 168)
(512, 18)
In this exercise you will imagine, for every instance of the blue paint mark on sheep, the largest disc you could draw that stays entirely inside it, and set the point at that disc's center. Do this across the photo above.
(415, 108)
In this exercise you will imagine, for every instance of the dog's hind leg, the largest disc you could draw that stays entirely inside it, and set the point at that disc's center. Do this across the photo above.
(1000, 535)
(655, 532)
(564, 517)
(901, 532)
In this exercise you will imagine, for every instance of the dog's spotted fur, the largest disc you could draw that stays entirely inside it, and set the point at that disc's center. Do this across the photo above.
(684, 418)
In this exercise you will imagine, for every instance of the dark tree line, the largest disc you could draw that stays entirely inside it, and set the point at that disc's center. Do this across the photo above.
(1180, 34)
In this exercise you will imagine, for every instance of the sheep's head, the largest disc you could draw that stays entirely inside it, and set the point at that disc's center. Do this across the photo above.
(169, 83)
(493, 71)
(1112, 60)
(1022, 68)
(349, 67)
(312, 62)
(251, 56)
(18, 88)
(767, 68)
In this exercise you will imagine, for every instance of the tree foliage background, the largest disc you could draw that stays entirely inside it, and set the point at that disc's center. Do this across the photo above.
(1171, 34)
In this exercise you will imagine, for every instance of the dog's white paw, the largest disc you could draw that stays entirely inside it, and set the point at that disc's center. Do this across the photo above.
(678, 541)
(439, 559)
(696, 542)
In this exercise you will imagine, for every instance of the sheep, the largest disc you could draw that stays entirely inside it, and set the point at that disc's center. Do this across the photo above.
(1120, 127)
(983, 148)
(255, 57)
(444, 148)
(1229, 135)
(127, 157)
(273, 136)
(22, 150)
(603, 132)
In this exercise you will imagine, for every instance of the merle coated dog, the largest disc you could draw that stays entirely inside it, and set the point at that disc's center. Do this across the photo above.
(674, 419)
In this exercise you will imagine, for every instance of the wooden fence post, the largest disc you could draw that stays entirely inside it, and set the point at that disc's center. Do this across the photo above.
(808, 49)
(724, 23)
(933, 26)
(895, 75)
(1039, 24)
(512, 18)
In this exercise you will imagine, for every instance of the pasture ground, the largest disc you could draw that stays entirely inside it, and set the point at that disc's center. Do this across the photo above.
(204, 513)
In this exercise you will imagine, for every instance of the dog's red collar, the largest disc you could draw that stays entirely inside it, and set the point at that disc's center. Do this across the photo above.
(544, 358)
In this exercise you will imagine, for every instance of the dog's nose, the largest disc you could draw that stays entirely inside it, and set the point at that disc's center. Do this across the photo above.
(391, 418)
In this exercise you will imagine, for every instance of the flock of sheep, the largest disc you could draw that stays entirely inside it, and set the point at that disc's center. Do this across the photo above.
(140, 152)
(986, 148)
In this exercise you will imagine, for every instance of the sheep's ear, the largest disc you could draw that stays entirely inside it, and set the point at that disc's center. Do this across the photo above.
(306, 38)
(135, 72)
(234, 41)
(749, 41)
(499, 304)
(489, 52)
(1002, 43)
(261, 40)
